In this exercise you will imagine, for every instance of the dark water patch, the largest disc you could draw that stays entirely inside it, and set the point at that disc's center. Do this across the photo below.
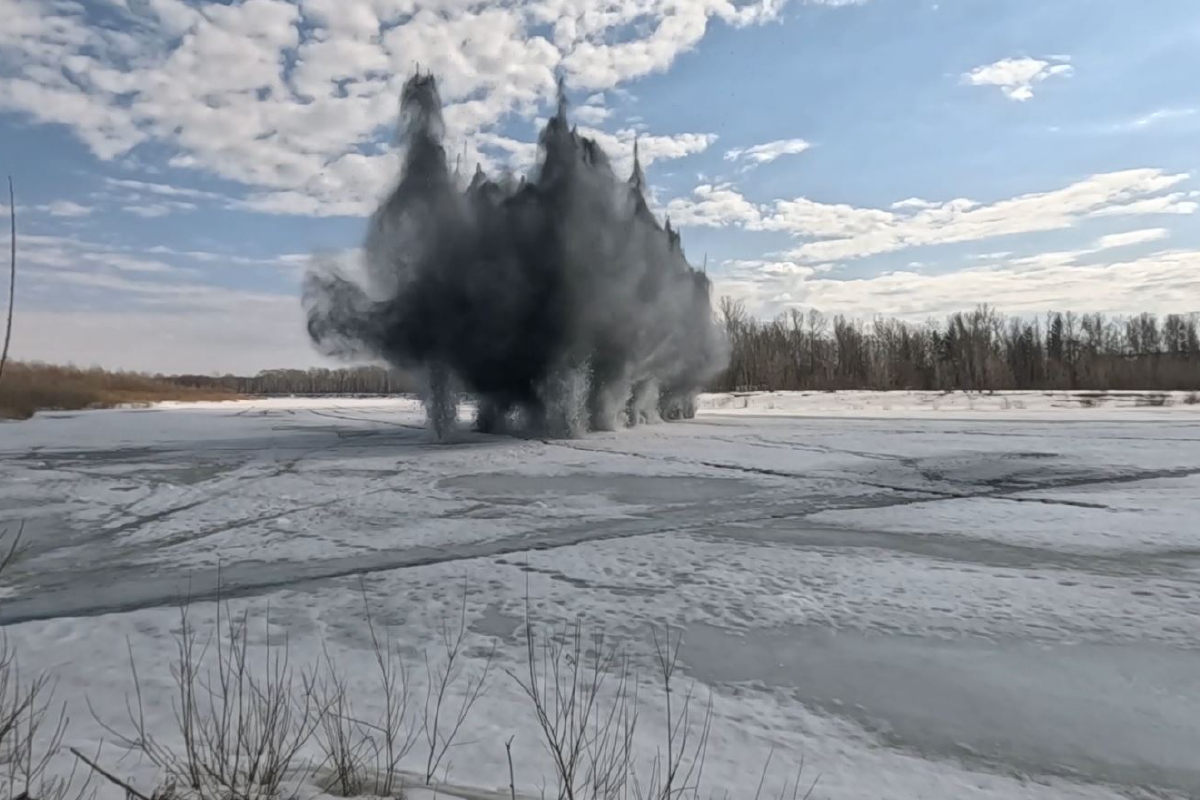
(629, 489)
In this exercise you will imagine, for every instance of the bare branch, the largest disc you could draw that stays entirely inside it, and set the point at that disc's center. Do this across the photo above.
(512, 775)
(243, 725)
(108, 776)
(12, 273)
(14, 549)
(439, 679)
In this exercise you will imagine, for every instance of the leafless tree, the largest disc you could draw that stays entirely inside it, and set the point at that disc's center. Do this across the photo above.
(12, 273)
(980, 350)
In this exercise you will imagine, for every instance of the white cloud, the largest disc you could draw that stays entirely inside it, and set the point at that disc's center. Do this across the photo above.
(158, 209)
(838, 232)
(302, 204)
(1129, 238)
(287, 261)
(154, 200)
(65, 208)
(60, 255)
(912, 202)
(1173, 203)
(714, 206)
(1158, 283)
(768, 151)
(165, 318)
(1092, 278)
(87, 303)
(673, 28)
(591, 114)
(163, 189)
(1176, 117)
(1162, 115)
(1016, 77)
(651, 148)
(278, 95)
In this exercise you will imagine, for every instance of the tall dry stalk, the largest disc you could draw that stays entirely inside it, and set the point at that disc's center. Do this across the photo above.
(12, 273)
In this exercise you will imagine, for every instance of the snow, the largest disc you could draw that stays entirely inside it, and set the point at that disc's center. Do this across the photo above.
(960, 405)
(921, 595)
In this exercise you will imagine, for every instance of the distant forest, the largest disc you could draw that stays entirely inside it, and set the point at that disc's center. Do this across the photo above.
(980, 350)
(976, 351)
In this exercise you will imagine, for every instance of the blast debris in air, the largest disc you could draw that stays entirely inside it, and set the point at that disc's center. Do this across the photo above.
(558, 301)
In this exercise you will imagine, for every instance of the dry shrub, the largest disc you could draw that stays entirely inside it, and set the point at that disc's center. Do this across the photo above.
(585, 700)
(32, 728)
(586, 715)
(29, 387)
(31, 725)
(245, 717)
(1192, 398)
(242, 722)
(363, 755)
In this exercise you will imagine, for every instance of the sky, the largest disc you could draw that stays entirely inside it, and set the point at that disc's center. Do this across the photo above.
(177, 163)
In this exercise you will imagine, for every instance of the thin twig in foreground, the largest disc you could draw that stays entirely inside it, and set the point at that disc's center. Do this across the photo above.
(512, 777)
(12, 273)
(14, 549)
(113, 779)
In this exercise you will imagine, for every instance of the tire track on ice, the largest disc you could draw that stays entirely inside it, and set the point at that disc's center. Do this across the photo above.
(92, 595)
(1001, 490)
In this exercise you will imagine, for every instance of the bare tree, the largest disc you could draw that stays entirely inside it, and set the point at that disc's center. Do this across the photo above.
(12, 273)
(979, 350)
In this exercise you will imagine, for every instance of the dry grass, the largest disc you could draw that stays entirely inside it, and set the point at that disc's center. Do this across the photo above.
(32, 725)
(245, 718)
(29, 387)
(585, 698)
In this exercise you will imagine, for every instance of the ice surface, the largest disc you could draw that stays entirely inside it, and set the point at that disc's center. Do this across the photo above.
(924, 595)
(964, 405)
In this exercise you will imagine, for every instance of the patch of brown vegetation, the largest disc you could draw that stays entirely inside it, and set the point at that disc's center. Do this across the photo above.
(29, 387)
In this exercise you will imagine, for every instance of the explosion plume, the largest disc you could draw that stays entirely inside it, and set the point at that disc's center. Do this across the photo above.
(559, 302)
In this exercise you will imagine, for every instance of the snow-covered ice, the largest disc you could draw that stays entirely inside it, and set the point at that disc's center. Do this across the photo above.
(923, 595)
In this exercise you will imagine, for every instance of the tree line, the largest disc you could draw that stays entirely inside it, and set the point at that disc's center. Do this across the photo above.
(362, 380)
(978, 350)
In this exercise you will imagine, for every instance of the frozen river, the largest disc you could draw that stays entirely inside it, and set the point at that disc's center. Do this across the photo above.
(923, 596)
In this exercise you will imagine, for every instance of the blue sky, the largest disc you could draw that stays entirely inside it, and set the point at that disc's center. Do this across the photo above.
(178, 161)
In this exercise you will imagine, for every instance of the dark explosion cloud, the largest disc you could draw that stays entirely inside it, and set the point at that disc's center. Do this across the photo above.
(559, 302)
